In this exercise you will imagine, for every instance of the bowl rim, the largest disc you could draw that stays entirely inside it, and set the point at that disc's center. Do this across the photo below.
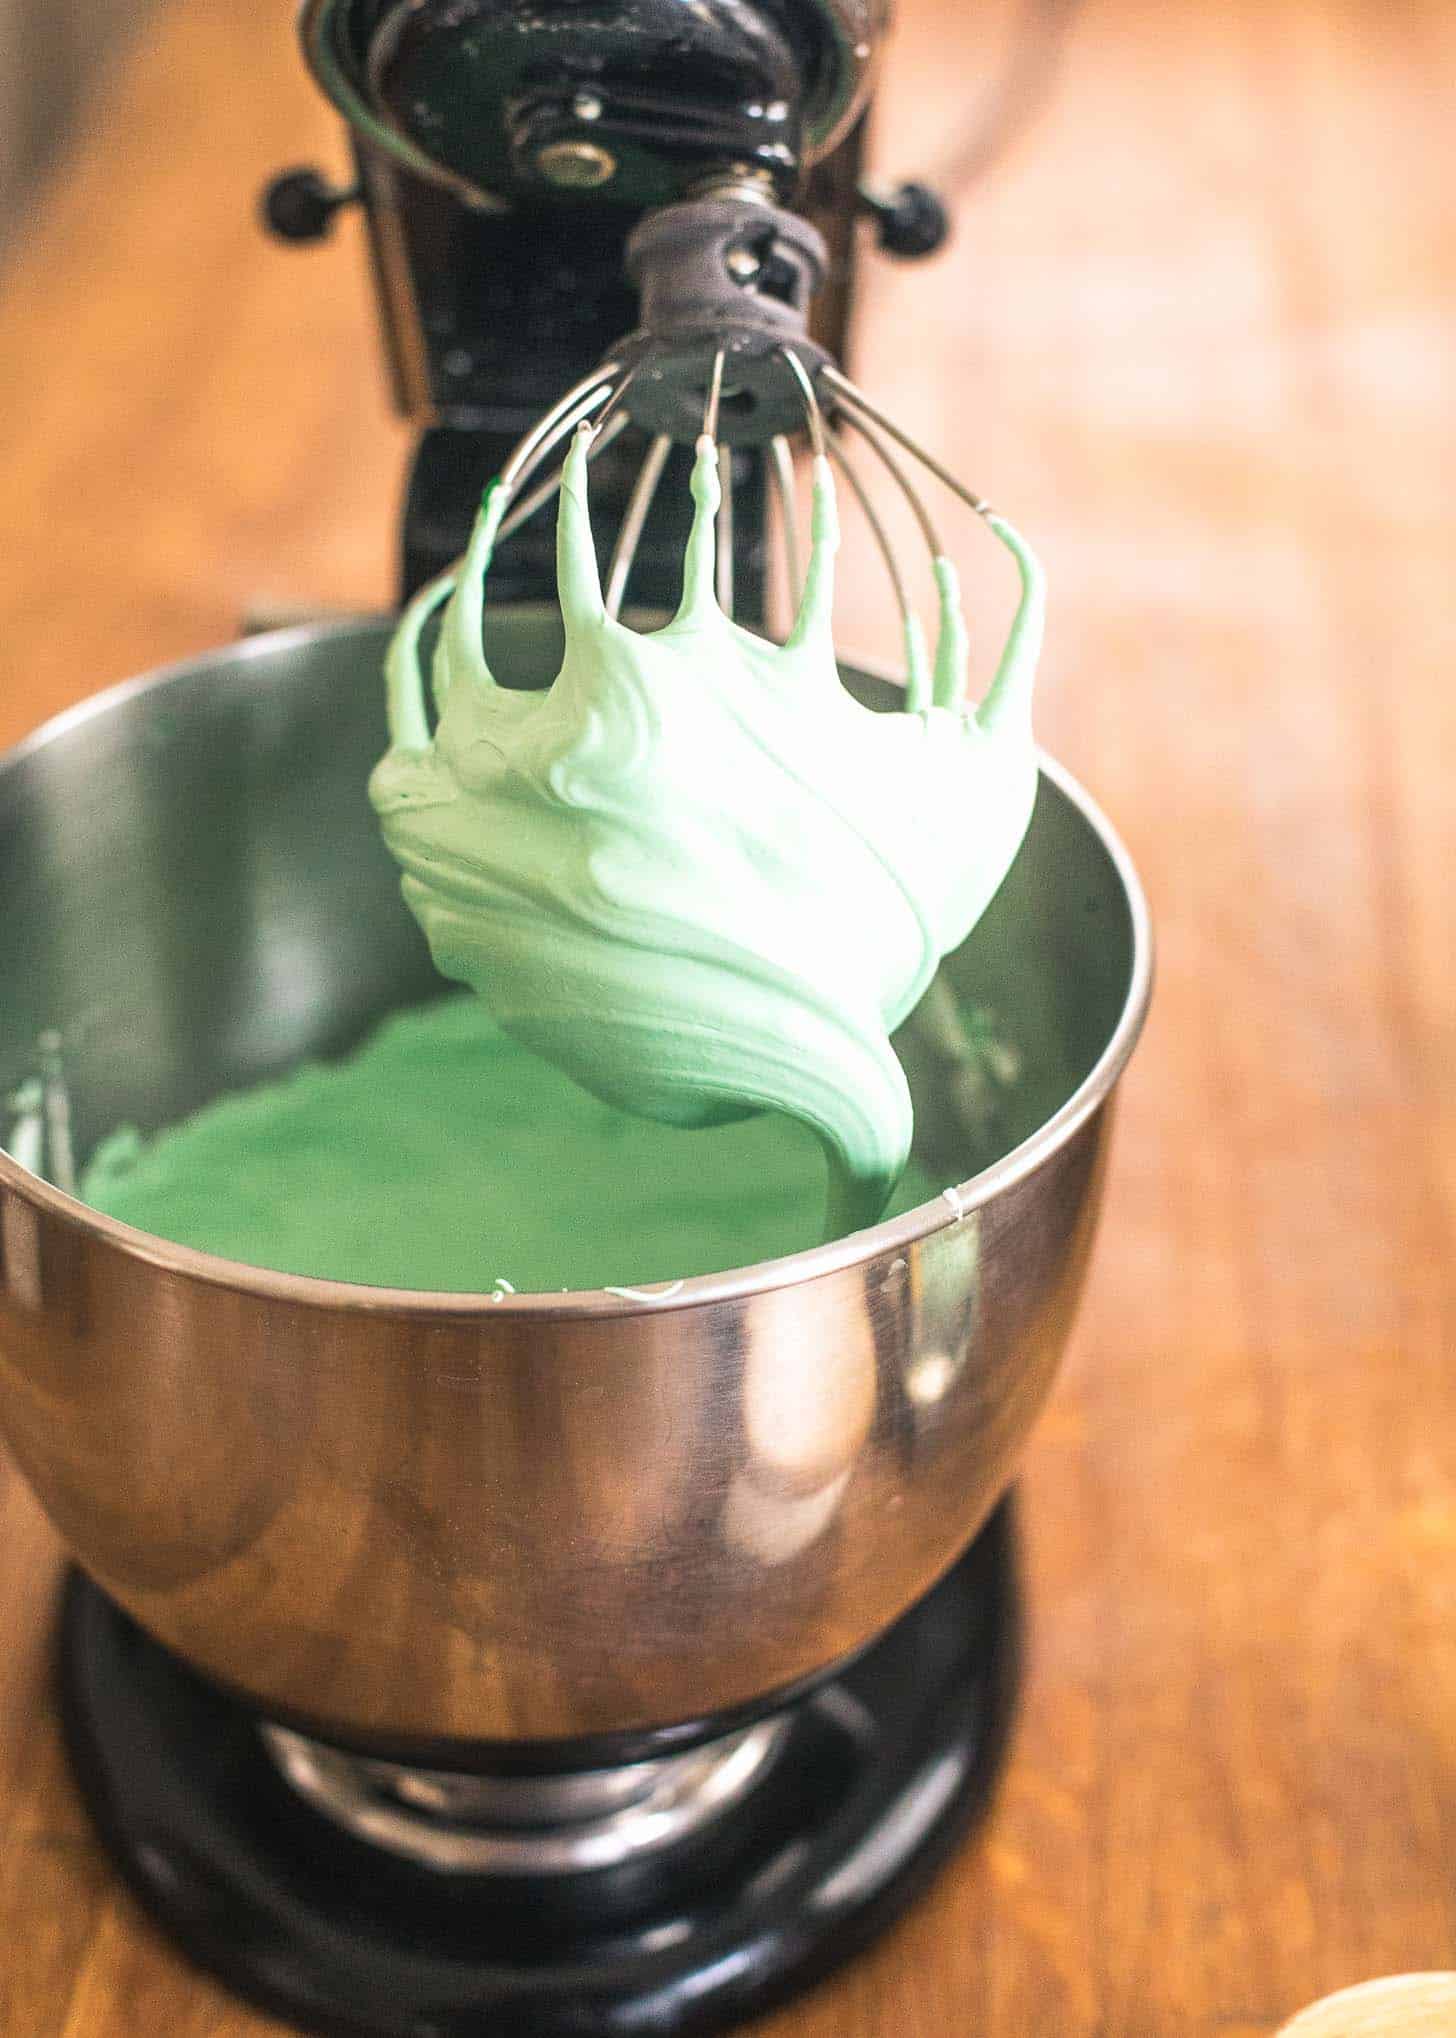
(890, 1235)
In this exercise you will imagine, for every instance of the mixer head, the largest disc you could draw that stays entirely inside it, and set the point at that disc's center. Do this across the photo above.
(510, 100)
(522, 164)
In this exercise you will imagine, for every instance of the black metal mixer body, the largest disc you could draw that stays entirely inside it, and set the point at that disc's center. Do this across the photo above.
(506, 151)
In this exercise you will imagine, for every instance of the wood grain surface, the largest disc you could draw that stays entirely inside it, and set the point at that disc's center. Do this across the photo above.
(1197, 334)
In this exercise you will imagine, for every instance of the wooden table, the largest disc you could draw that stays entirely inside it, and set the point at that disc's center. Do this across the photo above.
(1198, 332)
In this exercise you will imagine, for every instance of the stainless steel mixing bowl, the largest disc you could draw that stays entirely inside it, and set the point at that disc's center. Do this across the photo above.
(407, 1519)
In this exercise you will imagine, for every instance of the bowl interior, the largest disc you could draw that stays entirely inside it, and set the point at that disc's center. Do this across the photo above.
(194, 896)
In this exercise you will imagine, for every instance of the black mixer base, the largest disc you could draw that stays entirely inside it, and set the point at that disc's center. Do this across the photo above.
(883, 1770)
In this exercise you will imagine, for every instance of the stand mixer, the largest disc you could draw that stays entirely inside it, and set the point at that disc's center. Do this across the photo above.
(506, 157)
(560, 1664)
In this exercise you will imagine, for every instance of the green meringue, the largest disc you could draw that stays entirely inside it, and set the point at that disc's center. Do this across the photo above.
(440, 1154)
(695, 873)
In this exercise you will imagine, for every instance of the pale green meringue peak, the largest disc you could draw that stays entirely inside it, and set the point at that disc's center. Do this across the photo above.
(695, 873)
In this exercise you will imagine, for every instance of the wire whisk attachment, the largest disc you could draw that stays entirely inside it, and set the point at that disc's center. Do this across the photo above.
(724, 358)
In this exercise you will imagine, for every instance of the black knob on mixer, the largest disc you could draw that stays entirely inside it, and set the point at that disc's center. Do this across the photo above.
(910, 219)
(299, 204)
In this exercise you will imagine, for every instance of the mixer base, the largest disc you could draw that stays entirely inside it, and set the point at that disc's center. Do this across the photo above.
(882, 1770)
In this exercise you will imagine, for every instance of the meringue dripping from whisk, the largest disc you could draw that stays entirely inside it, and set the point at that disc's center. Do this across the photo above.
(694, 872)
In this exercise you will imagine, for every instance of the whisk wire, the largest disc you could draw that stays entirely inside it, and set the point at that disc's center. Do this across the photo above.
(896, 469)
(557, 424)
(527, 507)
(715, 395)
(614, 401)
(812, 409)
(855, 399)
(724, 559)
(783, 472)
(847, 468)
(917, 671)
(629, 537)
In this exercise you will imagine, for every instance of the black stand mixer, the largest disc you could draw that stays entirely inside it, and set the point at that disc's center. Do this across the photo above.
(702, 1759)
(506, 153)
